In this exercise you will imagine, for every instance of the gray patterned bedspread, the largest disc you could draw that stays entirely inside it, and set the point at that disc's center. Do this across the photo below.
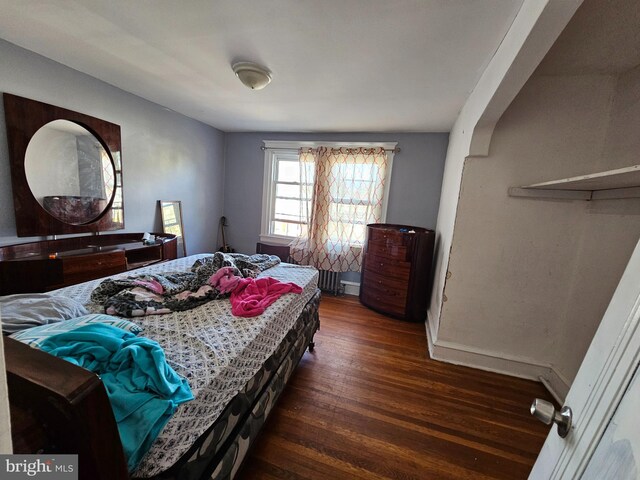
(217, 352)
(143, 294)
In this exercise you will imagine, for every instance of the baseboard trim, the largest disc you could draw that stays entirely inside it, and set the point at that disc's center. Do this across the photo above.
(351, 288)
(522, 367)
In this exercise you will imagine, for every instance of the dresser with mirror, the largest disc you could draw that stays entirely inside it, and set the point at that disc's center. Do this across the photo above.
(66, 176)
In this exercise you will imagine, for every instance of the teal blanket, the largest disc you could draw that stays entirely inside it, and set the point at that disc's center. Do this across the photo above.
(143, 389)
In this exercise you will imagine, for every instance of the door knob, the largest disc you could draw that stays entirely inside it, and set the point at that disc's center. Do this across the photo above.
(546, 413)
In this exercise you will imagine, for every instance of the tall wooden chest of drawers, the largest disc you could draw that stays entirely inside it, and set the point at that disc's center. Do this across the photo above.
(396, 270)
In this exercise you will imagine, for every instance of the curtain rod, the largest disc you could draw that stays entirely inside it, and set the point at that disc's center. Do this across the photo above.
(263, 148)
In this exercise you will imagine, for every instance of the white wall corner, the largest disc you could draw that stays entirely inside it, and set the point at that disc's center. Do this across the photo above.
(521, 367)
(459, 354)
(557, 384)
(536, 26)
(533, 32)
(481, 139)
(432, 332)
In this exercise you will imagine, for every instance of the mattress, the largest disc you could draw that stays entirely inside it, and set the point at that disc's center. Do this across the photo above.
(218, 353)
(219, 452)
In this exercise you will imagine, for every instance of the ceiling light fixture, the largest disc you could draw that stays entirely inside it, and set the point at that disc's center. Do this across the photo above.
(252, 75)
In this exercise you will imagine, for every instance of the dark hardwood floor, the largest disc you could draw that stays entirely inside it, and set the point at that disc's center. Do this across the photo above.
(369, 403)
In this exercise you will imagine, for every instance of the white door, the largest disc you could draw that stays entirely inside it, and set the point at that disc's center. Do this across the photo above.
(601, 382)
(618, 453)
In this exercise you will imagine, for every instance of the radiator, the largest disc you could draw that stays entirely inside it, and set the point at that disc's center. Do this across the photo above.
(330, 282)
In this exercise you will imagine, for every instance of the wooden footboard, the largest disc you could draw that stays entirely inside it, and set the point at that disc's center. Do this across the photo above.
(62, 409)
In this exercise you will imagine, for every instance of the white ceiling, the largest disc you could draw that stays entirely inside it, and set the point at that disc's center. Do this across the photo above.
(338, 65)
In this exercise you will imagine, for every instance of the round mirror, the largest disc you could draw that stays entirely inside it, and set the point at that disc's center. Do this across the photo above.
(69, 172)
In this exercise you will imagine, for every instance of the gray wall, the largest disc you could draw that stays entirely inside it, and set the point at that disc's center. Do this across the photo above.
(165, 155)
(415, 181)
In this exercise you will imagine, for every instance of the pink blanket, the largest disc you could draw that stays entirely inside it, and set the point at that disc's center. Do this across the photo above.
(253, 295)
(225, 280)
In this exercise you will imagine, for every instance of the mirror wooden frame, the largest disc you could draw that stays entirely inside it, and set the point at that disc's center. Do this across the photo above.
(24, 117)
(168, 225)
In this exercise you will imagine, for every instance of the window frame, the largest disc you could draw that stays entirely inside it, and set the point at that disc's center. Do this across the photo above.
(275, 148)
(269, 193)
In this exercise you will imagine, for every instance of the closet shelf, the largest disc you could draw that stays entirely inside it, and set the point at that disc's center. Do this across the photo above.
(612, 184)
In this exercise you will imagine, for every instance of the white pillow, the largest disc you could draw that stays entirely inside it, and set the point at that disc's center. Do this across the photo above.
(36, 335)
(27, 310)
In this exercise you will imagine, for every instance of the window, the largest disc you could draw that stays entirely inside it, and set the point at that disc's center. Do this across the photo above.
(350, 202)
(117, 208)
(287, 199)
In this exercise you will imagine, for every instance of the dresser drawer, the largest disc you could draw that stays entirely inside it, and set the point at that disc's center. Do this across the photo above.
(80, 268)
(384, 292)
(384, 235)
(387, 267)
(387, 250)
(380, 301)
(385, 285)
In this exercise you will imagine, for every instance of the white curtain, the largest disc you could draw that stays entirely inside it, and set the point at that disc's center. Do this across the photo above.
(348, 189)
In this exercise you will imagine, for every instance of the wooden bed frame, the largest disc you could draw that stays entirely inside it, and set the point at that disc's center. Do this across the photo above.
(58, 407)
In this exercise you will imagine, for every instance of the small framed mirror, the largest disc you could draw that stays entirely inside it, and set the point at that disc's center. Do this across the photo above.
(171, 213)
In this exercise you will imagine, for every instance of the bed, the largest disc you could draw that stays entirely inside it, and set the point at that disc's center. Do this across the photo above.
(236, 367)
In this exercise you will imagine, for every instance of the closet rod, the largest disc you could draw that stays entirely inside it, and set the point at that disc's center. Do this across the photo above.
(263, 148)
